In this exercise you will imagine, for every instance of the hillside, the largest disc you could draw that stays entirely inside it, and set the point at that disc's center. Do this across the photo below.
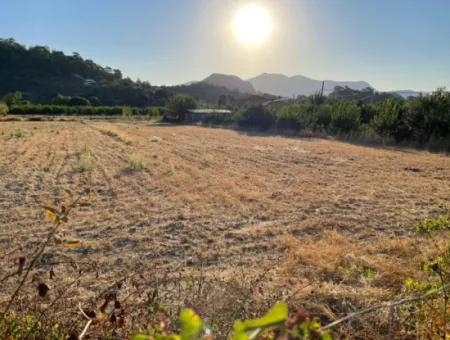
(41, 73)
(281, 85)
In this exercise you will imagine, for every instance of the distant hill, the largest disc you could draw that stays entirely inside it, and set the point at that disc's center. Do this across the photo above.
(408, 93)
(281, 85)
(231, 82)
(214, 94)
(41, 73)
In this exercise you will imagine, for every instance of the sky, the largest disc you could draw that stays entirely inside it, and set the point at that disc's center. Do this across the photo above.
(392, 44)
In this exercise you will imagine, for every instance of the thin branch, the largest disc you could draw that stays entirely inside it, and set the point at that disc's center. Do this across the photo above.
(27, 272)
(88, 324)
(386, 305)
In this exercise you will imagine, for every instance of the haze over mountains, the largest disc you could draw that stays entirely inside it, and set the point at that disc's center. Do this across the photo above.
(284, 86)
(279, 84)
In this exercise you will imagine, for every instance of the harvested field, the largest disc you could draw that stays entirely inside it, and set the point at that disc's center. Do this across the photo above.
(171, 202)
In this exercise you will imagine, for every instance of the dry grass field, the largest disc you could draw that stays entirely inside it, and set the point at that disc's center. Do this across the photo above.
(212, 217)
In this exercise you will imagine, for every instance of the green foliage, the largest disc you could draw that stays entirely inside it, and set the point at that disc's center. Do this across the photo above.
(40, 72)
(434, 314)
(276, 324)
(71, 101)
(248, 329)
(345, 116)
(191, 325)
(179, 104)
(256, 117)
(219, 118)
(386, 118)
(441, 222)
(53, 109)
(3, 109)
(27, 327)
(13, 98)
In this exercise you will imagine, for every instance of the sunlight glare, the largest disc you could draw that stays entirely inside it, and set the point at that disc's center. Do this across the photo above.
(252, 24)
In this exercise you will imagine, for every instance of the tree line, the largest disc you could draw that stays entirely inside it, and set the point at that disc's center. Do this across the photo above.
(423, 121)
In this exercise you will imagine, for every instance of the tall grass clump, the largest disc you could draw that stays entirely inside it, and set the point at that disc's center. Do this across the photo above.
(84, 163)
(3, 109)
(136, 163)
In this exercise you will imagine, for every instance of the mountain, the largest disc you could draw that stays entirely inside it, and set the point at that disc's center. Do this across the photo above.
(281, 85)
(408, 93)
(212, 94)
(231, 82)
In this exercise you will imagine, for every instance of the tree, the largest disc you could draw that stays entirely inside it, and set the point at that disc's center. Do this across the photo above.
(179, 104)
(13, 98)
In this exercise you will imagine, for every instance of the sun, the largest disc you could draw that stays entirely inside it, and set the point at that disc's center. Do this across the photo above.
(252, 24)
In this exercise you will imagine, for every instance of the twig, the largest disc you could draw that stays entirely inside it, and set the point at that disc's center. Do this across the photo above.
(290, 297)
(385, 305)
(88, 324)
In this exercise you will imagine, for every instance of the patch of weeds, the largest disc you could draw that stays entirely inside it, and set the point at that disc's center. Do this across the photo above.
(155, 139)
(18, 133)
(441, 222)
(84, 163)
(204, 163)
(135, 163)
(29, 327)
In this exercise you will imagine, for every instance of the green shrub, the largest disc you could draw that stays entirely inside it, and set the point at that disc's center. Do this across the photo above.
(257, 117)
(13, 98)
(386, 118)
(179, 104)
(345, 117)
(52, 109)
(3, 109)
(287, 117)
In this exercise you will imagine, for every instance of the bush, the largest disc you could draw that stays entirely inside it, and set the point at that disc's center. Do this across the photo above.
(13, 98)
(287, 117)
(386, 119)
(3, 109)
(79, 101)
(345, 117)
(257, 117)
(429, 116)
(179, 104)
(51, 109)
(322, 117)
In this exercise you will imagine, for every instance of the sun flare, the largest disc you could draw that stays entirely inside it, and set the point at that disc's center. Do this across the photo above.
(252, 24)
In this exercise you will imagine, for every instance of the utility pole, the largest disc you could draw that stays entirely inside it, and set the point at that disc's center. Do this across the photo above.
(321, 91)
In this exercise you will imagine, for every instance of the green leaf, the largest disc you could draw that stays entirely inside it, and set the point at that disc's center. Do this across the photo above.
(140, 336)
(277, 315)
(325, 336)
(191, 325)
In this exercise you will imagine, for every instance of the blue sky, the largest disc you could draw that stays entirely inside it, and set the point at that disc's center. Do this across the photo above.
(395, 44)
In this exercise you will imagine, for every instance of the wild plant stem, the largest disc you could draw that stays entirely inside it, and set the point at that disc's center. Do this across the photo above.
(27, 272)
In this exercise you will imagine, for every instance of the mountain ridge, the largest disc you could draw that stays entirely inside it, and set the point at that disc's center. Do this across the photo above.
(287, 86)
(231, 82)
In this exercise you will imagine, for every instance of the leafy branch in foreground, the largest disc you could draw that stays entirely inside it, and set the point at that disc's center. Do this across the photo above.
(275, 324)
(57, 217)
